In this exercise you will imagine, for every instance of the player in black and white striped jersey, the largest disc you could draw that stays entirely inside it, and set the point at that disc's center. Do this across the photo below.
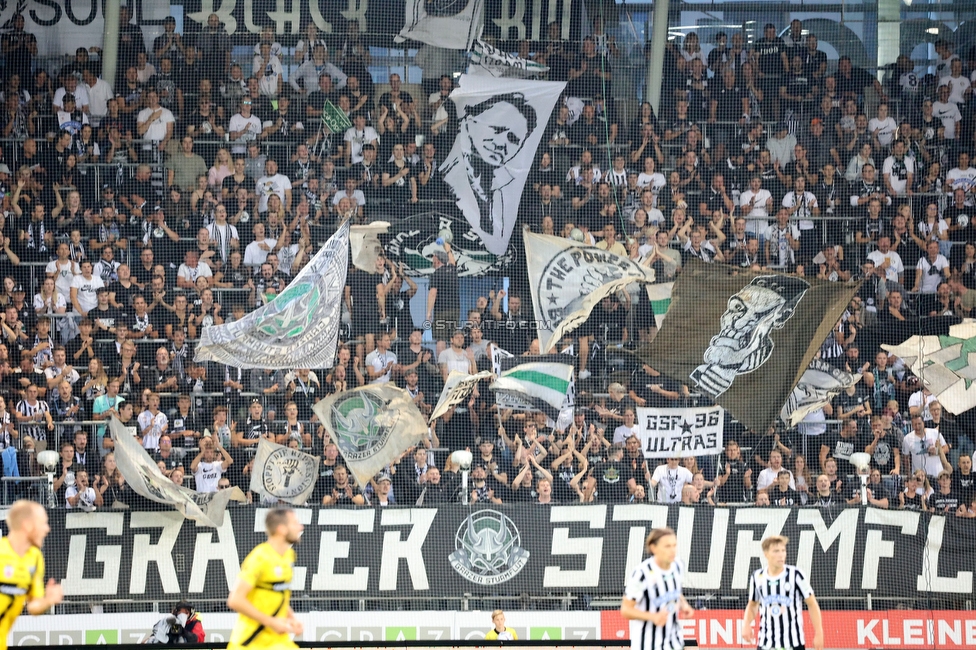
(777, 593)
(653, 602)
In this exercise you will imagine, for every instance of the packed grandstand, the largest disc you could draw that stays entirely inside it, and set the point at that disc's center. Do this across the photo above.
(188, 190)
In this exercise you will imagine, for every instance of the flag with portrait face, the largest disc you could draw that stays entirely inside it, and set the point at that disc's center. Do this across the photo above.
(744, 338)
(500, 125)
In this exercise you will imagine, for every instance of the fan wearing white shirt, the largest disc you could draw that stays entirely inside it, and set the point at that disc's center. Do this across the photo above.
(770, 474)
(272, 183)
(801, 205)
(207, 468)
(256, 253)
(960, 89)
(358, 135)
(756, 203)
(670, 480)
(947, 112)
(924, 449)
(962, 176)
(627, 429)
(381, 362)
(882, 128)
(899, 171)
(267, 68)
(243, 127)
(223, 235)
(931, 270)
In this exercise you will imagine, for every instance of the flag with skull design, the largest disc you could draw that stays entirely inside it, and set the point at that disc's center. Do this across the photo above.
(756, 333)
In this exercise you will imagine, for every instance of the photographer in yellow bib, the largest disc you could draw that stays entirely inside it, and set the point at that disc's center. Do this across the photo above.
(262, 595)
(22, 580)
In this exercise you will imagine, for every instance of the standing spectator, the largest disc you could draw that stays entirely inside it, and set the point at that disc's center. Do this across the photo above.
(207, 468)
(155, 124)
(131, 41)
(152, 424)
(19, 49)
(924, 449)
(669, 480)
(214, 46)
(443, 299)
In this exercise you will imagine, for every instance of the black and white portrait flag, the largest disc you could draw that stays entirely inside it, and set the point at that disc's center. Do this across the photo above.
(500, 125)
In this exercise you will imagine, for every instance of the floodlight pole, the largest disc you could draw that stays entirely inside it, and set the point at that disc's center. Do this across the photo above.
(110, 41)
(655, 62)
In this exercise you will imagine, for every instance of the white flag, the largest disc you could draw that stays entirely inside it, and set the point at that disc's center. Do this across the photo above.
(457, 388)
(488, 60)
(660, 297)
(819, 383)
(364, 242)
(143, 475)
(284, 473)
(451, 24)
(568, 279)
(298, 329)
(500, 125)
(372, 425)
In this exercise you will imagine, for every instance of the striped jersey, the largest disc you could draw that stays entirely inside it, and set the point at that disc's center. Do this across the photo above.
(655, 589)
(780, 601)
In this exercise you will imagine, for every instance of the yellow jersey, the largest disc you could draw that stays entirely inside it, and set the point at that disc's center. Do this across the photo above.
(22, 578)
(508, 635)
(270, 576)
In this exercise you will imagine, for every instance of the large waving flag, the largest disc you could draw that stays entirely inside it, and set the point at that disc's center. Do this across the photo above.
(488, 60)
(143, 475)
(500, 125)
(372, 425)
(298, 329)
(946, 365)
(568, 279)
(542, 383)
(451, 24)
(754, 335)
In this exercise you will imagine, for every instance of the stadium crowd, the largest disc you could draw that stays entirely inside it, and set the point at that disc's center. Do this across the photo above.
(190, 194)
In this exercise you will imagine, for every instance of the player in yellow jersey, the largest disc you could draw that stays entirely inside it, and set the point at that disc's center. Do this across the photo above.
(262, 595)
(22, 581)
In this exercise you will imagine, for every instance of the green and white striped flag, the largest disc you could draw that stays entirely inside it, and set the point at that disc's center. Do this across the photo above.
(660, 297)
(544, 385)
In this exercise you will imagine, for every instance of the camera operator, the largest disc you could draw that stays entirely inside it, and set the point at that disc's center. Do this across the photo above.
(182, 626)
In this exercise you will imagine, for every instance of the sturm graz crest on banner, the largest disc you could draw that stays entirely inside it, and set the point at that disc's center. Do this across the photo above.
(415, 243)
(488, 549)
(744, 343)
(362, 424)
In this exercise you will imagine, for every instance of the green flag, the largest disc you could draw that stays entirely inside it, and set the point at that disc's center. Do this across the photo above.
(333, 118)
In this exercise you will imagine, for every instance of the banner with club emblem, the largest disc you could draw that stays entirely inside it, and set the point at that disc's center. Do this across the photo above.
(298, 329)
(143, 475)
(820, 382)
(372, 425)
(284, 473)
(488, 60)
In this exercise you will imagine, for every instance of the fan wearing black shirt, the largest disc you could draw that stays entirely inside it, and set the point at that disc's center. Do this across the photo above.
(782, 494)
(964, 480)
(104, 317)
(609, 478)
(945, 500)
(841, 444)
(733, 478)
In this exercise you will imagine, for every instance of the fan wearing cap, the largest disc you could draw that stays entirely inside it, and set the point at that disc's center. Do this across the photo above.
(381, 496)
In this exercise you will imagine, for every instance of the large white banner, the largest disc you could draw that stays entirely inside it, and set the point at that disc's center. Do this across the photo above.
(298, 329)
(451, 24)
(62, 26)
(500, 125)
(679, 433)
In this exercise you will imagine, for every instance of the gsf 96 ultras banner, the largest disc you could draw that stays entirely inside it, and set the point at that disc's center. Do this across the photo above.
(511, 550)
(677, 433)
